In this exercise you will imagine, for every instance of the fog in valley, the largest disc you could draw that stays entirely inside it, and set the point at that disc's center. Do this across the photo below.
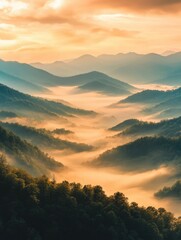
(137, 186)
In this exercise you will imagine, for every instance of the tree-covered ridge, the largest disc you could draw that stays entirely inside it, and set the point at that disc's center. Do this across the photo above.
(62, 131)
(26, 155)
(152, 96)
(143, 154)
(6, 114)
(164, 104)
(169, 108)
(44, 138)
(25, 105)
(41, 209)
(124, 125)
(170, 192)
(167, 128)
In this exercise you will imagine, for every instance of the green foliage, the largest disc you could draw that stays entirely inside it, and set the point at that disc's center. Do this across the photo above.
(136, 128)
(41, 209)
(143, 154)
(44, 138)
(26, 155)
(62, 131)
(25, 105)
(167, 128)
(124, 125)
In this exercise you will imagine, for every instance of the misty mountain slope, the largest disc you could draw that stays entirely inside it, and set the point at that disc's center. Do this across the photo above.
(125, 124)
(173, 79)
(62, 131)
(44, 138)
(35, 77)
(20, 84)
(98, 82)
(12, 100)
(164, 104)
(152, 96)
(26, 156)
(107, 87)
(132, 67)
(170, 104)
(94, 76)
(141, 69)
(166, 128)
(5, 115)
(170, 113)
(29, 74)
(143, 154)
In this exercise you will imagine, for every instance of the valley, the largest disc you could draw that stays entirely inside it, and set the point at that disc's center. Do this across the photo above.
(115, 137)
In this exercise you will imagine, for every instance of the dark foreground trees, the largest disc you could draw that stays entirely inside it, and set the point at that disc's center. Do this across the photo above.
(41, 209)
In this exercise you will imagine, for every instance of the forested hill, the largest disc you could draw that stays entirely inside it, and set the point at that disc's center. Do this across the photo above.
(25, 155)
(43, 138)
(144, 154)
(136, 128)
(26, 105)
(40, 209)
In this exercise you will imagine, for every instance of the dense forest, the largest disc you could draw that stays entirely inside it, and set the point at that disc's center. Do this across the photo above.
(26, 105)
(146, 153)
(25, 155)
(44, 138)
(41, 209)
(136, 128)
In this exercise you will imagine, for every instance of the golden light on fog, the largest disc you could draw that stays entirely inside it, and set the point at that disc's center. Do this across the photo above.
(55, 4)
(112, 29)
(13, 6)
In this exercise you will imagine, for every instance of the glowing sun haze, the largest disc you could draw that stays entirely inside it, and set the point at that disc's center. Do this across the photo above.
(50, 30)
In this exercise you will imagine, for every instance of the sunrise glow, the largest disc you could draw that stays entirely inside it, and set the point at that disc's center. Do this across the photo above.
(54, 26)
(55, 4)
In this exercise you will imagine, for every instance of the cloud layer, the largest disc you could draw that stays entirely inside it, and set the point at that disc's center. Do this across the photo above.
(48, 30)
(171, 6)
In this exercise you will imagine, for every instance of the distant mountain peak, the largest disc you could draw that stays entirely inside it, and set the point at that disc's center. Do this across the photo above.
(85, 57)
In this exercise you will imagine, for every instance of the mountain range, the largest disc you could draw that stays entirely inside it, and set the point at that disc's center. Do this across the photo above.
(132, 68)
(29, 79)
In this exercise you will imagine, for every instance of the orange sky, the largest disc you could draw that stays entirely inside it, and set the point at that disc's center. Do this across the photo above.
(50, 30)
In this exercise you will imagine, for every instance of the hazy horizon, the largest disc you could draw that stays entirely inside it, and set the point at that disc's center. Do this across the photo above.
(46, 31)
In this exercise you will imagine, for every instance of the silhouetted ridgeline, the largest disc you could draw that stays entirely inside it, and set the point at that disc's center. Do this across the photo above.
(62, 131)
(152, 96)
(124, 125)
(6, 114)
(29, 79)
(170, 192)
(132, 67)
(133, 127)
(41, 209)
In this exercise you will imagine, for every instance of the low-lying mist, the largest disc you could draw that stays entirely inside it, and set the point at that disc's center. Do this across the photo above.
(139, 187)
